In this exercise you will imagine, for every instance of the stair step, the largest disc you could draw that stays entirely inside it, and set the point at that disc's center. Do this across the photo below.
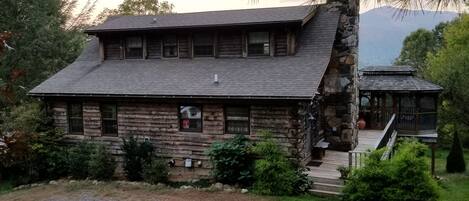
(326, 180)
(327, 187)
(323, 193)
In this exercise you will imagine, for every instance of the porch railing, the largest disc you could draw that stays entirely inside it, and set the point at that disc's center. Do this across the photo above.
(389, 135)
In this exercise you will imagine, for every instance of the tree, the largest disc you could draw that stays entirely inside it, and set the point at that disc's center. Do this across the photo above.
(455, 160)
(136, 7)
(42, 44)
(415, 49)
(449, 67)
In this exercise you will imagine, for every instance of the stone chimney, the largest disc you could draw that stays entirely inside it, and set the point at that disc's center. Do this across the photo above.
(340, 91)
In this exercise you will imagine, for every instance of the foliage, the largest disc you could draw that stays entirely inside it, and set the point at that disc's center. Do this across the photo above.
(404, 177)
(102, 164)
(415, 49)
(344, 172)
(136, 154)
(274, 174)
(30, 150)
(155, 171)
(78, 160)
(137, 7)
(449, 67)
(41, 45)
(455, 160)
(232, 160)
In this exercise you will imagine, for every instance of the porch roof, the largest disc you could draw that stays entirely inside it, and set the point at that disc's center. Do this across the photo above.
(394, 78)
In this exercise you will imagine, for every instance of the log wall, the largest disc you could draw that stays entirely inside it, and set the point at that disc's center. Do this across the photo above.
(159, 123)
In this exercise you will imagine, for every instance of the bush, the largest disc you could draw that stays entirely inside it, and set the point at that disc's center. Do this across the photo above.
(102, 164)
(232, 161)
(274, 174)
(31, 148)
(455, 160)
(404, 177)
(135, 156)
(78, 160)
(155, 171)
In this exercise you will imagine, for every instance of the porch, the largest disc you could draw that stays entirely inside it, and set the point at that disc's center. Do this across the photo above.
(327, 167)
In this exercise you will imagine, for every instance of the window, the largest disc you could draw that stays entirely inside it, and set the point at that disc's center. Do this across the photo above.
(237, 120)
(190, 118)
(203, 45)
(75, 118)
(170, 46)
(133, 47)
(259, 44)
(109, 119)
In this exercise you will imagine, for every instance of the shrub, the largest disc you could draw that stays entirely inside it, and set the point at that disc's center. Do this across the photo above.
(274, 174)
(135, 156)
(102, 164)
(455, 160)
(78, 160)
(232, 161)
(344, 171)
(155, 171)
(404, 177)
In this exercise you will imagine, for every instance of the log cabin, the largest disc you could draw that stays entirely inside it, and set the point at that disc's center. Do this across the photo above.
(184, 81)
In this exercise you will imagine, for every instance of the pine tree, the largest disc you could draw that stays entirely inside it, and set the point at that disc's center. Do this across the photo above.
(455, 160)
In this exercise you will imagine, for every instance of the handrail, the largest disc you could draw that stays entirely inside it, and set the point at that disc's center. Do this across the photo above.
(357, 158)
(387, 132)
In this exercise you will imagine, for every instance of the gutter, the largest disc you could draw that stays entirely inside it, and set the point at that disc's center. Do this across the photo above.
(171, 96)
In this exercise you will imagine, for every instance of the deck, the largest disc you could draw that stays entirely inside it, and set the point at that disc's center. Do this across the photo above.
(367, 140)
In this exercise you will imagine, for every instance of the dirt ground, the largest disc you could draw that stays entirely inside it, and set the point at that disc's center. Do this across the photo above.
(81, 191)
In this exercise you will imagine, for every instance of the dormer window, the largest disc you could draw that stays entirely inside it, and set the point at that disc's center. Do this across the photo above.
(133, 47)
(259, 44)
(170, 46)
(203, 45)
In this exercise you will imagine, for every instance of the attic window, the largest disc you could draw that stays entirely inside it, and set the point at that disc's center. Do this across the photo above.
(259, 44)
(170, 46)
(133, 47)
(203, 45)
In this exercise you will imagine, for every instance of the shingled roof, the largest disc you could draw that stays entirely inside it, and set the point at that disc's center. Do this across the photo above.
(295, 14)
(290, 77)
(394, 78)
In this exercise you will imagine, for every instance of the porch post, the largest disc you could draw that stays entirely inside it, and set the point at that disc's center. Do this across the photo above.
(433, 147)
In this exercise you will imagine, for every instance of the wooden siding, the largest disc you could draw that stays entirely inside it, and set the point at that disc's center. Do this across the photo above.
(230, 44)
(159, 123)
(153, 47)
(281, 44)
(185, 46)
(112, 48)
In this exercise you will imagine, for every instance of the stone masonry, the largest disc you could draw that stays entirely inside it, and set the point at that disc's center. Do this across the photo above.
(340, 90)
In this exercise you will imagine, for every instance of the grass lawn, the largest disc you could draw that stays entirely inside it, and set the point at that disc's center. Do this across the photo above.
(455, 187)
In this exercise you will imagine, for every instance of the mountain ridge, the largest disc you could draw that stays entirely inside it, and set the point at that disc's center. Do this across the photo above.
(383, 30)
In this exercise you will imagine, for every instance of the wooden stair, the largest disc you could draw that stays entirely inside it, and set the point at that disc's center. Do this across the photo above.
(327, 186)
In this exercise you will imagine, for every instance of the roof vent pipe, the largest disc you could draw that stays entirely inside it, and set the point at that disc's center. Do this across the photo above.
(215, 79)
(154, 20)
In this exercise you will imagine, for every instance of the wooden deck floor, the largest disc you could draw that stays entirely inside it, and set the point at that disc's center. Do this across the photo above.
(367, 139)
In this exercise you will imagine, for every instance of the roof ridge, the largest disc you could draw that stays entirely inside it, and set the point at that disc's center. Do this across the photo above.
(215, 11)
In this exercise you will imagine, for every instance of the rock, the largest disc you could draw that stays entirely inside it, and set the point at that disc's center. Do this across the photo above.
(186, 187)
(21, 187)
(228, 188)
(95, 182)
(244, 191)
(34, 185)
(72, 181)
(161, 185)
(53, 182)
(195, 181)
(218, 186)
